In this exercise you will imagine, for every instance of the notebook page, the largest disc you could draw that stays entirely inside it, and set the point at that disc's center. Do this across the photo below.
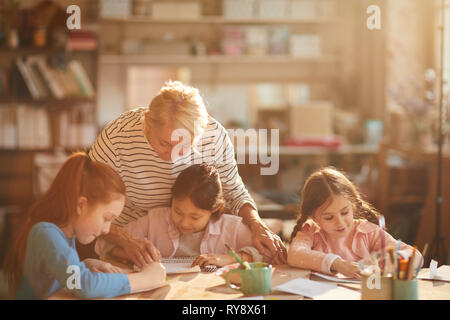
(179, 265)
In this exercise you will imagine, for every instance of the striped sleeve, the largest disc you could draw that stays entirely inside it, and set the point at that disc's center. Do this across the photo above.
(235, 193)
(104, 151)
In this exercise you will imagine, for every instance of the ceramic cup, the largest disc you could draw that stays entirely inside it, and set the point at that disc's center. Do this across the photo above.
(405, 290)
(254, 281)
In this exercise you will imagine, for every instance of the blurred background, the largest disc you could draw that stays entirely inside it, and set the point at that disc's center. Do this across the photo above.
(365, 100)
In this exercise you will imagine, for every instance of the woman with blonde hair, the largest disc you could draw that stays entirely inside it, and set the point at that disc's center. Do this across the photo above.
(150, 146)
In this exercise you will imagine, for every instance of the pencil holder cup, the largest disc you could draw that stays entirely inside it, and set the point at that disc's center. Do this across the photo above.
(376, 287)
(405, 289)
(254, 281)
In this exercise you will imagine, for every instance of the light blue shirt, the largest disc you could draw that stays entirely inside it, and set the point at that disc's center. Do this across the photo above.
(51, 260)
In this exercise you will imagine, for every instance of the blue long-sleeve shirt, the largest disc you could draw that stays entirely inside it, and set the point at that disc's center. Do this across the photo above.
(52, 263)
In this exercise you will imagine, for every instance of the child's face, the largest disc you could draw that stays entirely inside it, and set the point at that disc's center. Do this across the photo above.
(187, 217)
(336, 218)
(92, 222)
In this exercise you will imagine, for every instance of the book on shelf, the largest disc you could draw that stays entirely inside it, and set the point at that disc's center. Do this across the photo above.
(4, 82)
(115, 8)
(17, 85)
(33, 130)
(82, 41)
(76, 128)
(49, 76)
(26, 75)
(28, 127)
(37, 77)
(82, 78)
(43, 81)
(8, 128)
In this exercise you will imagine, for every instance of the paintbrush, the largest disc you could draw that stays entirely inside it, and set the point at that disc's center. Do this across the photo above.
(382, 224)
(274, 257)
(424, 252)
(231, 251)
(409, 267)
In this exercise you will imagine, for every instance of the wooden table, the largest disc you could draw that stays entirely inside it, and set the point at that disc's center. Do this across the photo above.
(208, 286)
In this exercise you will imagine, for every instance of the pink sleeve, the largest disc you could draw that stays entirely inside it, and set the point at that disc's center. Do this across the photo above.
(244, 236)
(405, 249)
(300, 254)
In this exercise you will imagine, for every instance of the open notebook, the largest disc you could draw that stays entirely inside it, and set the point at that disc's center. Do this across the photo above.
(178, 265)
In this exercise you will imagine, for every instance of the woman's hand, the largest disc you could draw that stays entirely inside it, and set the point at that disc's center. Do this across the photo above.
(96, 265)
(268, 243)
(219, 260)
(141, 251)
(347, 268)
(153, 273)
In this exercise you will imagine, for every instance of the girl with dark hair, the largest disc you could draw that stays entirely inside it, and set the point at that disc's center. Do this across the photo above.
(83, 200)
(194, 225)
(336, 228)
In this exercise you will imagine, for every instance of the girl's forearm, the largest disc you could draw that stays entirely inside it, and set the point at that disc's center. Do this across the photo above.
(305, 258)
(137, 282)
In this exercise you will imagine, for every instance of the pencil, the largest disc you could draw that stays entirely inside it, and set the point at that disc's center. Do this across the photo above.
(424, 252)
(231, 251)
(382, 224)
(274, 257)
(409, 268)
(390, 251)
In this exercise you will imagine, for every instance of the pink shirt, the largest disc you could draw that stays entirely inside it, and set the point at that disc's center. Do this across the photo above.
(158, 227)
(313, 249)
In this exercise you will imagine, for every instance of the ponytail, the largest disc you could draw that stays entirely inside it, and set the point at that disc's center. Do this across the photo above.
(298, 226)
(58, 205)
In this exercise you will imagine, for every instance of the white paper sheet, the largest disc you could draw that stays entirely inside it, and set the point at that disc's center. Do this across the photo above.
(177, 265)
(335, 278)
(318, 290)
(440, 274)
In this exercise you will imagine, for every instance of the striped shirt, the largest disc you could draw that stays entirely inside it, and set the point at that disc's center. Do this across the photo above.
(149, 179)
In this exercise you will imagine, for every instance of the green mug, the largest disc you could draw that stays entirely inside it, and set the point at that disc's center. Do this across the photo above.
(405, 289)
(254, 281)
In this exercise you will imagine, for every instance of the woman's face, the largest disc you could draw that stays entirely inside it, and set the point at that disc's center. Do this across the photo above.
(335, 217)
(92, 222)
(160, 138)
(187, 217)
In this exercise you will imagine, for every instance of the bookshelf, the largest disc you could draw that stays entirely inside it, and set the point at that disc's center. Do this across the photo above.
(218, 20)
(214, 59)
(203, 40)
(57, 117)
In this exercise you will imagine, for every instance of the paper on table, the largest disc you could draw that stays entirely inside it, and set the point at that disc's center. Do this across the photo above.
(251, 298)
(151, 288)
(440, 274)
(433, 269)
(177, 265)
(318, 290)
(336, 278)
